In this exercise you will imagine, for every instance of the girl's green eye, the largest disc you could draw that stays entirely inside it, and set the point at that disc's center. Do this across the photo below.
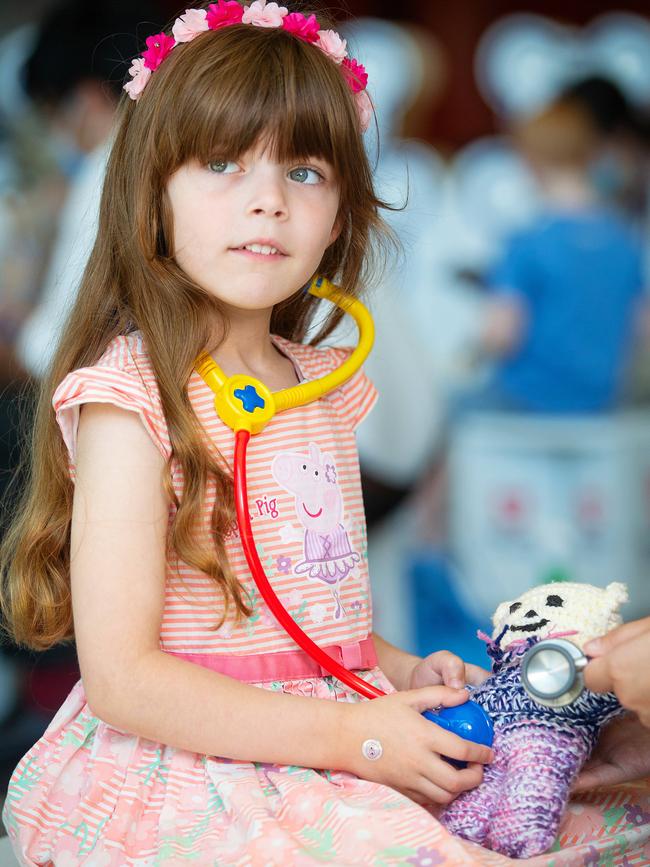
(222, 167)
(305, 176)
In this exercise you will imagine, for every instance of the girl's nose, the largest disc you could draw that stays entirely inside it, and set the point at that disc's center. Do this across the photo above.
(268, 197)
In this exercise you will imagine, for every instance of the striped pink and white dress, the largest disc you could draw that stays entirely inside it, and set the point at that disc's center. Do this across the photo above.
(90, 794)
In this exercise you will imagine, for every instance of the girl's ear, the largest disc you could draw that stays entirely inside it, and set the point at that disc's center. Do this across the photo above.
(336, 229)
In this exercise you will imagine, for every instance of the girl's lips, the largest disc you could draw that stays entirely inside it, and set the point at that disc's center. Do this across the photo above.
(270, 257)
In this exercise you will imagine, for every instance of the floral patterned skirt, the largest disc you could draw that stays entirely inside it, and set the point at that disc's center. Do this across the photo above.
(89, 794)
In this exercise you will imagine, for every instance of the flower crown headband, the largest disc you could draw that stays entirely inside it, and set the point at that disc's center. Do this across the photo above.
(225, 13)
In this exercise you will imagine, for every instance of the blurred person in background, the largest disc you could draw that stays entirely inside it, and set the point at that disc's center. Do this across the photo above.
(619, 170)
(32, 188)
(621, 173)
(566, 294)
(73, 77)
(565, 303)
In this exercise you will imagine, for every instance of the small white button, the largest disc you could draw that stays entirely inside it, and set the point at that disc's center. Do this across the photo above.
(372, 750)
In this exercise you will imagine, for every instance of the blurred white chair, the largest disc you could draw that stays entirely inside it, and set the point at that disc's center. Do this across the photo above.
(535, 497)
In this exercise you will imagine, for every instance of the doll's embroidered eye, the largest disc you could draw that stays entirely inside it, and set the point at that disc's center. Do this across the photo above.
(514, 607)
(554, 601)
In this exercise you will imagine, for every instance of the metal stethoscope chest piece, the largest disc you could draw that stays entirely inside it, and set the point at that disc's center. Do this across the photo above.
(552, 672)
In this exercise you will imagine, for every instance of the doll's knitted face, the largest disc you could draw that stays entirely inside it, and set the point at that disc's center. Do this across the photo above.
(578, 611)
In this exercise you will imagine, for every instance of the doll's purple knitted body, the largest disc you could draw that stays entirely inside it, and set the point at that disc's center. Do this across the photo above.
(538, 751)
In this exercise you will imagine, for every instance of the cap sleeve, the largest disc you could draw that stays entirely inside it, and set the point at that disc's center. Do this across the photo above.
(101, 384)
(355, 398)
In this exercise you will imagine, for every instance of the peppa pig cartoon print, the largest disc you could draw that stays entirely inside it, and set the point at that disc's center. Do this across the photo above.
(311, 478)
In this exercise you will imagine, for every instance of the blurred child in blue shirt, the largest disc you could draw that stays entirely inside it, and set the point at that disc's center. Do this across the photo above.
(566, 293)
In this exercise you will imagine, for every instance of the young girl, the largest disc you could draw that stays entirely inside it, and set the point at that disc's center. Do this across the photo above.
(199, 733)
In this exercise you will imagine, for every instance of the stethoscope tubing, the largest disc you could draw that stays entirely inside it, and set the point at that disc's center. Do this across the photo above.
(268, 593)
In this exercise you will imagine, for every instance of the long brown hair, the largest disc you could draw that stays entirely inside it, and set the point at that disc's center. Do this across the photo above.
(217, 95)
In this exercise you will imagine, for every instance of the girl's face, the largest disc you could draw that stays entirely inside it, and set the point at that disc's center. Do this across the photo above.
(251, 232)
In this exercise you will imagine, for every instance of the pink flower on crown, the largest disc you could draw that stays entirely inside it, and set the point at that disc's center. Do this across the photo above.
(189, 26)
(223, 13)
(158, 48)
(264, 14)
(331, 43)
(303, 28)
(356, 74)
(140, 75)
(364, 107)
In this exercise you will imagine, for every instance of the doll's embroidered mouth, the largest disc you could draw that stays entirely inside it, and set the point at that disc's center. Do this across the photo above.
(316, 514)
(528, 627)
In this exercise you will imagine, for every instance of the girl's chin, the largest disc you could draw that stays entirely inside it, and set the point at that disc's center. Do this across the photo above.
(253, 302)
(254, 293)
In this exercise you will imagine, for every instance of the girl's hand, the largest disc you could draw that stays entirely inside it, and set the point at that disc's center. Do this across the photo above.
(622, 754)
(413, 746)
(446, 668)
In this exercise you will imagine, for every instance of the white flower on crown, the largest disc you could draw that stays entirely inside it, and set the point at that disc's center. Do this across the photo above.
(331, 43)
(190, 25)
(140, 75)
(264, 14)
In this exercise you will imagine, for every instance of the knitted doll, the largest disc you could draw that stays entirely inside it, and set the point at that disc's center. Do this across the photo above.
(538, 750)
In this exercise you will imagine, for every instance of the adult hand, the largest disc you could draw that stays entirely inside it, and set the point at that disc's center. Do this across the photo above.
(622, 754)
(620, 665)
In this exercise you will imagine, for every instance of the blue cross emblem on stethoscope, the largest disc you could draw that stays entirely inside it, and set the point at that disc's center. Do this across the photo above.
(249, 397)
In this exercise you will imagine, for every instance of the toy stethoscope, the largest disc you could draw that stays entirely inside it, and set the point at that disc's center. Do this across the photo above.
(551, 672)
(246, 406)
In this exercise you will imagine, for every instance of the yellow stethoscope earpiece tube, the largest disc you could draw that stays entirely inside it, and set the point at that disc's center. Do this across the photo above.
(244, 403)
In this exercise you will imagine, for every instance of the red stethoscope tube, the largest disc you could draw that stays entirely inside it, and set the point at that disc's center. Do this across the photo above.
(268, 594)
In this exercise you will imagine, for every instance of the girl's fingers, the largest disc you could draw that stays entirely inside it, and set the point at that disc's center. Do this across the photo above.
(443, 783)
(412, 795)
(432, 793)
(451, 779)
(442, 741)
(428, 697)
(451, 667)
(475, 674)
(433, 806)
(451, 746)
(455, 672)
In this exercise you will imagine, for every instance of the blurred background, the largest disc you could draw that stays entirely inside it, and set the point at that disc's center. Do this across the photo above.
(511, 442)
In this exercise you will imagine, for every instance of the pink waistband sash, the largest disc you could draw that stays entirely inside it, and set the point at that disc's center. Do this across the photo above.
(286, 664)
